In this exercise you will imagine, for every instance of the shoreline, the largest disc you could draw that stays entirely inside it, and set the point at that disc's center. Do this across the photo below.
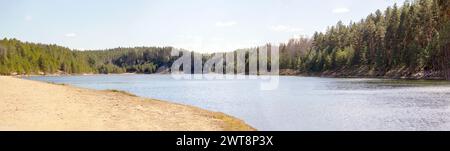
(356, 74)
(34, 105)
(398, 74)
(362, 72)
(318, 75)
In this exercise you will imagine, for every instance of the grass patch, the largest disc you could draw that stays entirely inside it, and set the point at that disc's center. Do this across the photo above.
(231, 123)
(121, 92)
(63, 84)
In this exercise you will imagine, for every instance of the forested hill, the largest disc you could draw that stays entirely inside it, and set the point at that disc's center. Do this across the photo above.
(411, 40)
(18, 57)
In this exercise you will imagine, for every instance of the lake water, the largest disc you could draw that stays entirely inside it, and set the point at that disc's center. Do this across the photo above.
(299, 103)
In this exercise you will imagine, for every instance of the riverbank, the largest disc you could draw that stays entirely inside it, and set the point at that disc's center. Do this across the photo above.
(360, 72)
(32, 105)
(364, 72)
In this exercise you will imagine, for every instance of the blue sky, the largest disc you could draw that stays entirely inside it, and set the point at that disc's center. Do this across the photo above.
(200, 25)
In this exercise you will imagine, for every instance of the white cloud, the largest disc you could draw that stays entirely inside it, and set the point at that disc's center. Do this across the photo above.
(341, 10)
(226, 24)
(71, 35)
(28, 18)
(285, 28)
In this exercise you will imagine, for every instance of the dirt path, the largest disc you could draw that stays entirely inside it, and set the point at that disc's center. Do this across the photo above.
(32, 105)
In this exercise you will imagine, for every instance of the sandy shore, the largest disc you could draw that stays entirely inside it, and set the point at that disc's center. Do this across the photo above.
(32, 105)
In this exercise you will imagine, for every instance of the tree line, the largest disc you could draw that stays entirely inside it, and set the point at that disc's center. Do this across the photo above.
(18, 57)
(404, 40)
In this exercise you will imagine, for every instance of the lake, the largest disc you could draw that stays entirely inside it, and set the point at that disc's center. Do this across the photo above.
(299, 103)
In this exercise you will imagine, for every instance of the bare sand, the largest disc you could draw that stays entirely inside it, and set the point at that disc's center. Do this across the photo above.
(33, 105)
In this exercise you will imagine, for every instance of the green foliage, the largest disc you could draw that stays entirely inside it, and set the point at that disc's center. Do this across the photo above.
(410, 36)
(131, 60)
(110, 68)
(18, 57)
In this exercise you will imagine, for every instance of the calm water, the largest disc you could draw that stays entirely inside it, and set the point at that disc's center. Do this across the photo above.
(299, 103)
